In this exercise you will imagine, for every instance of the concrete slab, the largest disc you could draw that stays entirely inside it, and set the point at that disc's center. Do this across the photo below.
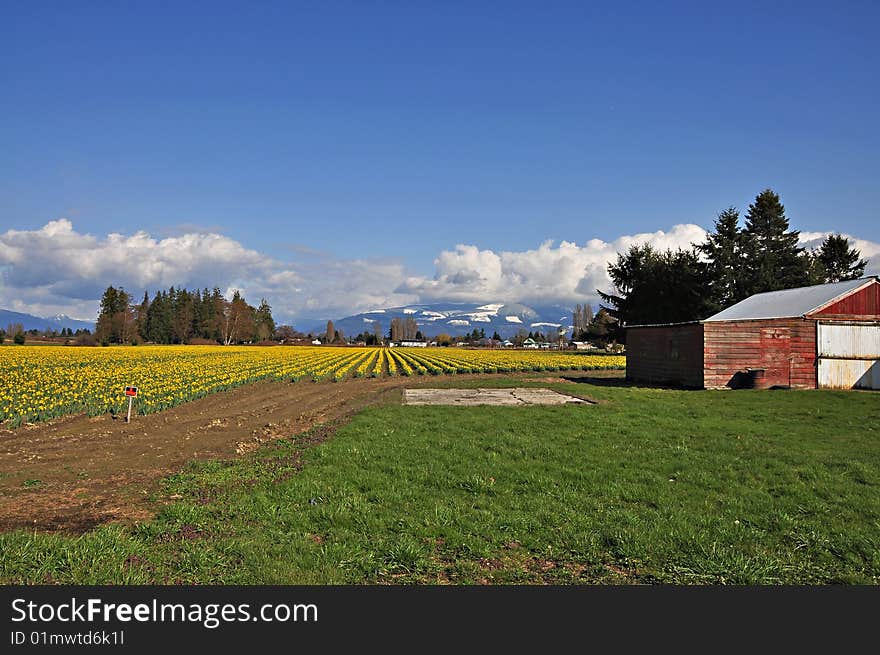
(471, 397)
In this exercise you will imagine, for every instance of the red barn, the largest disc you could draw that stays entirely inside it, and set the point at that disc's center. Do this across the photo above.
(823, 336)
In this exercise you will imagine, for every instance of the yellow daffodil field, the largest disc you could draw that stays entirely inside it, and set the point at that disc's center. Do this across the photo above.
(43, 382)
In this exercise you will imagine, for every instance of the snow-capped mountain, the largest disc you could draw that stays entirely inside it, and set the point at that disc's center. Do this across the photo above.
(457, 319)
(31, 322)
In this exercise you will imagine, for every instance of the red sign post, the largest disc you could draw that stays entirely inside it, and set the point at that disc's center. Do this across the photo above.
(132, 393)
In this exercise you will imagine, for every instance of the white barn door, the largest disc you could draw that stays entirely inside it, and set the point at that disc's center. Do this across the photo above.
(849, 355)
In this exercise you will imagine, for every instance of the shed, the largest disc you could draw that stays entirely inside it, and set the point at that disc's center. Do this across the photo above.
(583, 345)
(821, 336)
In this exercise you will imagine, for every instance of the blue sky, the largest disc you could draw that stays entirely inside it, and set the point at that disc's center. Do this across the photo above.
(396, 130)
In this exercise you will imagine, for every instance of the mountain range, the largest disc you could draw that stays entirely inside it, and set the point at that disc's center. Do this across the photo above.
(455, 319)
(31, 322)
(434, 318)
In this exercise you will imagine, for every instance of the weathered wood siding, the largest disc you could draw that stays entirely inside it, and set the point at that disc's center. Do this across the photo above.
(862, 304)
(668, 354)
(784, 348)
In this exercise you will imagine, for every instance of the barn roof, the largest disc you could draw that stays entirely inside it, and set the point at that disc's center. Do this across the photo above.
(789, 303)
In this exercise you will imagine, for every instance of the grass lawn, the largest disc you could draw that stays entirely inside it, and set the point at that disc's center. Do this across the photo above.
(648, 486)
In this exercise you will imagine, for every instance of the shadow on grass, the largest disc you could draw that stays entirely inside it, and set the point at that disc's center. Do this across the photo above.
(623, 382)
(599, 382)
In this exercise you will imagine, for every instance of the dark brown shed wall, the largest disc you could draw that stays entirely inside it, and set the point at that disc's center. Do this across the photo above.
(668, 354)
(784, 348)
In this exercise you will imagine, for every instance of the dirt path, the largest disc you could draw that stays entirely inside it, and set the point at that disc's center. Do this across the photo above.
(77, 472)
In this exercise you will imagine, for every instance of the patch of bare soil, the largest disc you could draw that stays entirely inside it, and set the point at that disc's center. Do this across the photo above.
(74, 473)
(77, 472)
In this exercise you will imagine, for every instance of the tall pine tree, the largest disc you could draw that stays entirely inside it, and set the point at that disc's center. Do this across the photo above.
(772, 256)
(723, 249)
(837, 262)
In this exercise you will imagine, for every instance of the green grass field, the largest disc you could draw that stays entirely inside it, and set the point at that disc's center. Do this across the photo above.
(649, 486)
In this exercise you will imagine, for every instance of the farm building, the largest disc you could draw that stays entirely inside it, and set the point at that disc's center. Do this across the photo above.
(413, 343)
(583, 345)
(823, 336)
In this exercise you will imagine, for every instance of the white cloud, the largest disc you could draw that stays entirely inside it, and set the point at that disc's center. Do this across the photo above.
(56, 269)
(567, 273)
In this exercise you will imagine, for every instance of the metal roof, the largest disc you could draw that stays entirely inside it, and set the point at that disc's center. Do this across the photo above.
(788, 303)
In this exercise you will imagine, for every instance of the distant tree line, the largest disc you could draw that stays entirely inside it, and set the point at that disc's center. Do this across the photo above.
(372, 338)
(18, 334)
(733, 263)
(181, 316)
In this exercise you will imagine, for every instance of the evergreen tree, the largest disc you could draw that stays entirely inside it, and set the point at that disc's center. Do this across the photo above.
(141, 315)
(116, 320)
(213, 310)
(837, 262)
(181, 316)
(772, 255)
(109, 307)
(161, 309)
(265, 324)
(657, 287)
(195, 327)
(601, 329)
(726, 266)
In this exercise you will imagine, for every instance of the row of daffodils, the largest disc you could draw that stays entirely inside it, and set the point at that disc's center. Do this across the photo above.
(42, 382)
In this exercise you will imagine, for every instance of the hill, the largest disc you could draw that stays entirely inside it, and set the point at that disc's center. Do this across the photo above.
(31, 322)
(456, 319)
